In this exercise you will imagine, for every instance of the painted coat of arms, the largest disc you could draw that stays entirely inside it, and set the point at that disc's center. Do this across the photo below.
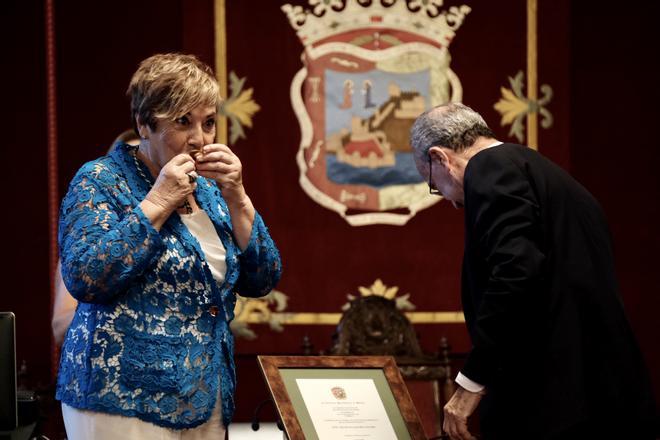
(370, 68)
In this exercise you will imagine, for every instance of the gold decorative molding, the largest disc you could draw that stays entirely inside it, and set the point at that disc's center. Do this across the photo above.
(270, 310)
(221, 63)
(532, 72)
(239, 107)
(258, 311)
(333, 318)
(514, 105)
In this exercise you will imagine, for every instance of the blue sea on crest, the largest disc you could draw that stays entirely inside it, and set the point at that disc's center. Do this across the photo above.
(403, 172)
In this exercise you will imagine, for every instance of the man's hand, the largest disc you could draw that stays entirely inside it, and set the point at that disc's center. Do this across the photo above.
(461, 406)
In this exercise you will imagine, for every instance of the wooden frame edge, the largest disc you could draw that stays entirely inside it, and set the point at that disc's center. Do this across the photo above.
(270, 366)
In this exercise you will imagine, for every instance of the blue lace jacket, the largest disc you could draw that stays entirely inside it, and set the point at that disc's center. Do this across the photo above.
(150, 337)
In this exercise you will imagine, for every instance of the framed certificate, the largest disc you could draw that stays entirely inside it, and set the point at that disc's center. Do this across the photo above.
(341, 397)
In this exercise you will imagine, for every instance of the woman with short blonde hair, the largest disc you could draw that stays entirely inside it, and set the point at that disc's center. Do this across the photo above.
(154, 241)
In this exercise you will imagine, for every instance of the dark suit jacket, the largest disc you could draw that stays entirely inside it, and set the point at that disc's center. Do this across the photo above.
(550, 338)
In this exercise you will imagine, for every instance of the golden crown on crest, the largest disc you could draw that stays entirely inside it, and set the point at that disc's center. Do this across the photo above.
(331, 17)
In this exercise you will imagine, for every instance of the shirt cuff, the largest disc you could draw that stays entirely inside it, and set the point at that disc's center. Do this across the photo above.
(468, 384)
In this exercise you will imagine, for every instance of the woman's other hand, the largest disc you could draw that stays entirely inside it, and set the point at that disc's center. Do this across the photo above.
(218, 162)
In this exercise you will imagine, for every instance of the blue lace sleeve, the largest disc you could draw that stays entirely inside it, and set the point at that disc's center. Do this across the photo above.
(261, 266)
(105, 242)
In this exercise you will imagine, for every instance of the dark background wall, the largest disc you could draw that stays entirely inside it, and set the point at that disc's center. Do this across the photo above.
(604, 64)
(24, 182)
(615, 152)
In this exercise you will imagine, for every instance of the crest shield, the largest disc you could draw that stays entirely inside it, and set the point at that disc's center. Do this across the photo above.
(370, 68)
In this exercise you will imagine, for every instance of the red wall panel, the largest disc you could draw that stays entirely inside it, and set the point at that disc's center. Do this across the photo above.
(605, 105)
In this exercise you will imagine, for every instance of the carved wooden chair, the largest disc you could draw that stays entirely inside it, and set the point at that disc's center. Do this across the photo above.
(373, 325)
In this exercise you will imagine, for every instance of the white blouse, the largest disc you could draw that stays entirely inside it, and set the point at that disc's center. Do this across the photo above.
(200, 226)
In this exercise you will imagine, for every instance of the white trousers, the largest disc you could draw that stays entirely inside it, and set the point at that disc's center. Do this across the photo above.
(91, 425)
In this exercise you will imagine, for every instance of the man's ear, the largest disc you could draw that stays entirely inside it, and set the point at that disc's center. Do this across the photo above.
(439, 155)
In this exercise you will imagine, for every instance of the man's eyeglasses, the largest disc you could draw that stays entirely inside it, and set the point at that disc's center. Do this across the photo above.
(432, 189)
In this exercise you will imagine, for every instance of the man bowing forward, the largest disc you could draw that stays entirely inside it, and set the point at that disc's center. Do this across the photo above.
(553, 355)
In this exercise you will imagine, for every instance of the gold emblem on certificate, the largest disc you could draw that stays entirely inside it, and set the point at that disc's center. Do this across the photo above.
(339, 393)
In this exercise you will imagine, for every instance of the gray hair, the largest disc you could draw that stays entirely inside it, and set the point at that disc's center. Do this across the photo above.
(453, 125)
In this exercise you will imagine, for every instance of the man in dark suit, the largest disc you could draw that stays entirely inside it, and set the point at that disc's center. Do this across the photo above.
(553, 355)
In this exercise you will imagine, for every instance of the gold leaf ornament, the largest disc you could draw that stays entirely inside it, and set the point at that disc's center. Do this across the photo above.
(264, 310)
(514, 106)
(239, 107)
(378, 288)
(510, 106)
(243, 107)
